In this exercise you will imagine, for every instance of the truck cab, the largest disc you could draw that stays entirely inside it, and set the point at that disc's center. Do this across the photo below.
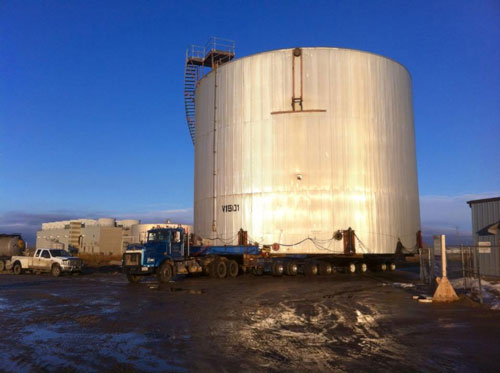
(165, 254)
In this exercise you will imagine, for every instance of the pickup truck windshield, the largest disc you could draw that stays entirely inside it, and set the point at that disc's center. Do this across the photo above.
(59, 253)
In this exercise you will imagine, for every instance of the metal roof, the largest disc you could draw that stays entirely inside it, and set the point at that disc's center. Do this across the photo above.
(483, 200)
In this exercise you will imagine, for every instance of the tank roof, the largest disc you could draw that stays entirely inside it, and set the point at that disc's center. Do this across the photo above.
(317, 47)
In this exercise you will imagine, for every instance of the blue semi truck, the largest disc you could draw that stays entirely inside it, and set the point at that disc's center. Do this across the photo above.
(169, 252)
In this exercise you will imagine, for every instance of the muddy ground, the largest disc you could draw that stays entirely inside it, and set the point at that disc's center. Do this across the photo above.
(99, 322)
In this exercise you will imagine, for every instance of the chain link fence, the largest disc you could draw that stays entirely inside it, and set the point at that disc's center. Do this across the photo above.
(468, 267)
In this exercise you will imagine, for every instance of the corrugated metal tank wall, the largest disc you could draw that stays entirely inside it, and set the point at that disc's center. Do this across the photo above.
(356, 159)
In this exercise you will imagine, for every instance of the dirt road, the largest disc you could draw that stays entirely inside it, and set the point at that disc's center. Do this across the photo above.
(340, 323)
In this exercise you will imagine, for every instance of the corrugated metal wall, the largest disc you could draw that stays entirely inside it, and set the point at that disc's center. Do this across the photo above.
(483, 214)
(356, 159)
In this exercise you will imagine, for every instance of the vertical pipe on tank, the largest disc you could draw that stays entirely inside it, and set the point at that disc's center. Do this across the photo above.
(296, 98)
(214, 221)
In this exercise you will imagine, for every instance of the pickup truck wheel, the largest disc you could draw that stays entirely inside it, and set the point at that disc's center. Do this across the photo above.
(2, 266)
(232, 268)
(56, 270)
(17, 268)
(134, 279)
(165, 273)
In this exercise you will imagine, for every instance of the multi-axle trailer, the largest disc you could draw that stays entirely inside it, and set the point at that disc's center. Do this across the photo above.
(168, 252)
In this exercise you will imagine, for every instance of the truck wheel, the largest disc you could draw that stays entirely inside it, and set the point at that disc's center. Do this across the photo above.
(325, 269)
(310, 269)
(258, 271)
(17, 268)
(232, 268)
(2, 266)
(56, 270)
(134, 279)
(165, 273)
(277, 269)
(220, 268)
(383, 267)
(392, 266)
(291, 268)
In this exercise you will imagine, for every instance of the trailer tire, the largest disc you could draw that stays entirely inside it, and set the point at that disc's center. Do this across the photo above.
(278, 269)
(17, 268)
(383, 267)
(165, 272)
(392, 266)
(134, 279)
(232, 268)
(2, 266)
(362, 267)
(291, 268)
(55, 270)
(220, 268)
(351, 268)
(325, 269)
(310, 269)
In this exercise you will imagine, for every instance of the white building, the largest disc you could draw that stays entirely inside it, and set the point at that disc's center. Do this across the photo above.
(105, 236)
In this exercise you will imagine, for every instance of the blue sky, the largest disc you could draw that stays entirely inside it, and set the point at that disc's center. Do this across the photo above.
(92, 111)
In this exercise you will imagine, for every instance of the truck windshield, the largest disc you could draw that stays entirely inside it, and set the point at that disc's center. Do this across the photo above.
(59, 253)
(158, 236)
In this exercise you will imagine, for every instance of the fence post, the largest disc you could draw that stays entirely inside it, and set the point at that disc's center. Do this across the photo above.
(463, 266)
(431, 266)
(421, 266)
(478, 267)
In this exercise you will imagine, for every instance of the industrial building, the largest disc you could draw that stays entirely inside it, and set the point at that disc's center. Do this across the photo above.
(106, 236)
(485, 221)
(296, 145)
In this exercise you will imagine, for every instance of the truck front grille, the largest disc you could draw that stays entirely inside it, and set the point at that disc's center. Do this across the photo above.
(132, 259)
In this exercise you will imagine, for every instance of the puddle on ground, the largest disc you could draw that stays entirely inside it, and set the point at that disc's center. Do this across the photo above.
(106, 305)
(175, 290)
(3, 304)
(188, 291)
(54, 346)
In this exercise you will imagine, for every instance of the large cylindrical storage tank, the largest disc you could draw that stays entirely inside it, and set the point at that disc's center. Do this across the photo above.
(345, 158)
(106, 222)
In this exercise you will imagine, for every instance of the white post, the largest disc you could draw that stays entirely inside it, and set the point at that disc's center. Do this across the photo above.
(444, 291)
(443, 255)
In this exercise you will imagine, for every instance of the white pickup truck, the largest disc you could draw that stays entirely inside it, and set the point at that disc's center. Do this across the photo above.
(55, 261)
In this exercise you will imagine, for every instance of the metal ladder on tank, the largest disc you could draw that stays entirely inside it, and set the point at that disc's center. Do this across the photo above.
(191, 77)
(216, 52)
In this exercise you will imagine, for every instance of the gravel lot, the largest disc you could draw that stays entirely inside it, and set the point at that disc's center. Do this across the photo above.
(98, 321)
